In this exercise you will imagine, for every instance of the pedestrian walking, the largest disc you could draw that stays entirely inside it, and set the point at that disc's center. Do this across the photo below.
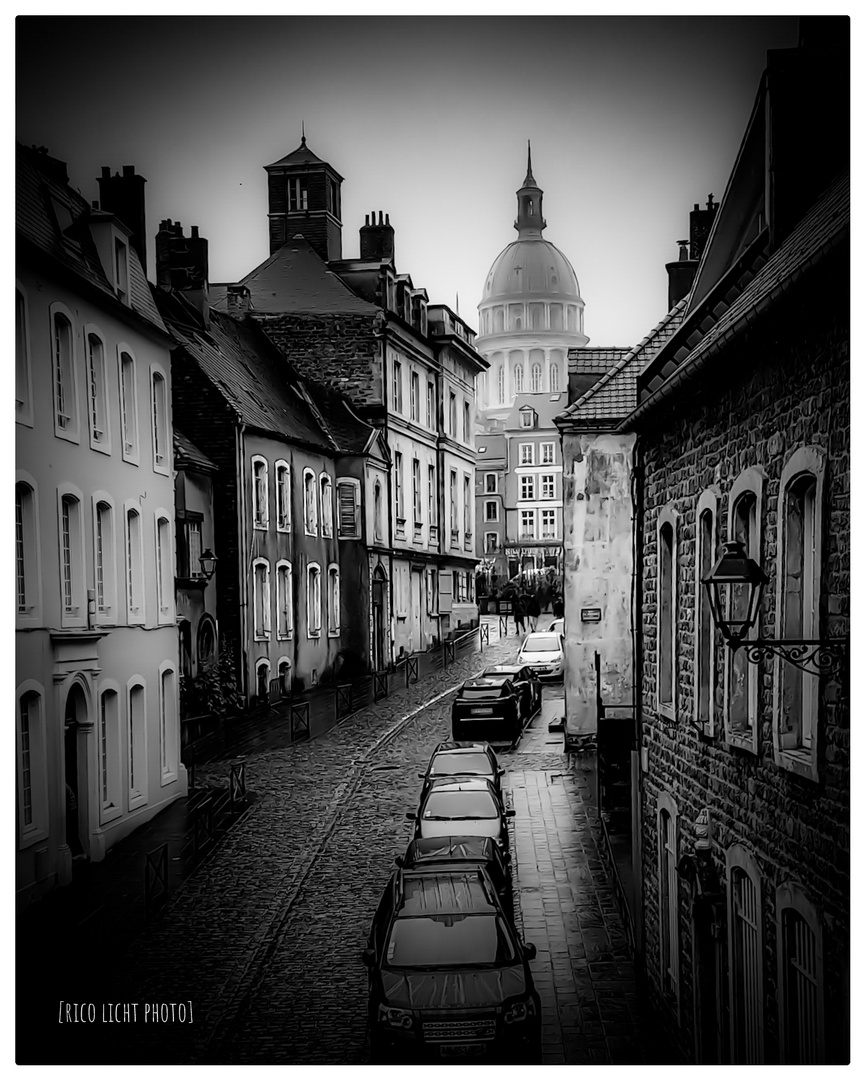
(558, 607)
(519, 615)
(533, 611)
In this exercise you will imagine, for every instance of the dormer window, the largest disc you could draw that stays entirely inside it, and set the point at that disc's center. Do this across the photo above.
(121, 270)
(528, 418)
(65, 221)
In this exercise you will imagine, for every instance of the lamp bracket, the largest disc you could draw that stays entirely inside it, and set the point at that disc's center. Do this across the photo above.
(814, 657)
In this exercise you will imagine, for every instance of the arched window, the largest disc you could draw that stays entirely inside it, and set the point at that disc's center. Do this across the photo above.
(284, 600)
(310, 509)
(518, 379)
(109, 755)
(518, 324)
(136, 757)
(23, 393)
(65, 393)
(259, 493)
(32, 777)
(554, 378)
(283, 497)
(134, 567)
(73, 596)
(168, 732)
(104, 562)
(284, 672)
(206, 641)
(668, 898)
(666, 620)
(159, 403)
(27, 578)
(537, 376)
(705, 678)
(501, 383)
(262, 679)
(261, 599)
(333, 600)
(97, 392)
(164, 570)
(378, 531)
(745, 943)
(313, 600)
(800, 978)
(128, 407)
(499, 317)
(326, 505)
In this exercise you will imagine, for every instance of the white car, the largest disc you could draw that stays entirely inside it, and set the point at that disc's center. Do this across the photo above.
(557, 626)
(543, 653)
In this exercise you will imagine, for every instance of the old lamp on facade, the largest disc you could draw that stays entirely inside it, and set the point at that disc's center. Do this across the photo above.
(737, 577)
(207, 560)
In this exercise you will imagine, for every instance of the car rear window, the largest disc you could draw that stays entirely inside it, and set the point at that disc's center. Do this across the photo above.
(485, 693)
(444, 892)
(542, 643)
(453, 764)
(448, 941)
(443, 805)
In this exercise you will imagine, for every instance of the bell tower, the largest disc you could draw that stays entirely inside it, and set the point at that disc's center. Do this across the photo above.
(304, 195)
(530, 222)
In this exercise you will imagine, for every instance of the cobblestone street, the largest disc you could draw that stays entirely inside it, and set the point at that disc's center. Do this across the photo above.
(265, 939)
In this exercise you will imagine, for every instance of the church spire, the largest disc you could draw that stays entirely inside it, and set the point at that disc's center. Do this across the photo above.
(530, 219)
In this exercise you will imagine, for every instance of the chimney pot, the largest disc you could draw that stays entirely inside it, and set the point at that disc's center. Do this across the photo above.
(193, 231)
(106, 171)
(129, 170)
(696, 206)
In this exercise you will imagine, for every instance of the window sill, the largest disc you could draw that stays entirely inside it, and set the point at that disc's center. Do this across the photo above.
(284, 528)
(136, 801)
(110, 813)
(798, 761)
(333, 633)
(130, 459)
(741, 742)
(311, 634)
(100, 447)
(168, 778)
(667, 710)
(261, 637)
(33, 836)
(162, 470)
(67, 436)
(355, 536)
(285, 637)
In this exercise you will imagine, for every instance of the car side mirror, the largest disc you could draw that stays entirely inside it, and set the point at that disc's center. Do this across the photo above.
(511, 813)
(421, 776)
(410, 815)
(529, 951)
(506, 856)
(500, 771)
(398, 861)
(368, 957)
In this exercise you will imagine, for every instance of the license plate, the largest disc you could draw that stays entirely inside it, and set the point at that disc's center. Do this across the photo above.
(482, 712)
(463, 1050)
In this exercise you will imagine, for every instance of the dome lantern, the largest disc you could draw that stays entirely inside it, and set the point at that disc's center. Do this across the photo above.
(530, 222)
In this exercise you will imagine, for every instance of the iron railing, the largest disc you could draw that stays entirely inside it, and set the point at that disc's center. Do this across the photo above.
(155, 880)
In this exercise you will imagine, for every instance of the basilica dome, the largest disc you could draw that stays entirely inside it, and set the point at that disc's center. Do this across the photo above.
(528, 267)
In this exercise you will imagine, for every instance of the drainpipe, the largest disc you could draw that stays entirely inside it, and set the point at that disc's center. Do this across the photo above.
(243, 582)
(637, 492)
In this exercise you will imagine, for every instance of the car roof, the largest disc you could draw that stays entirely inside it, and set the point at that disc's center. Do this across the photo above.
(445, 891)
(461, 748)
(486, 680)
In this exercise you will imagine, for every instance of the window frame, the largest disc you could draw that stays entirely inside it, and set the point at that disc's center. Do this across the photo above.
(134, 568)
(494, 490)
(396, 388)
(343, 533)
(282, 471)
(528, 516)
(550, 513)
(431, 405)
(527, 487)
(108, 611)
(64, 371)
(284, 600)
(36, 761)
(160, 426)
(548, 485)
(260, 492)
(325, 495)
(109, 754)
(97, 391)
(790, 896)
(414, 396)
(128, 387)
(668, 897)
(491, 503)
(310, 505)
(526, 453)
(416, 499)
(169, 728)
(704, 627)
(76, 614)
(164, 558)
(667, 520)
(537, 383)
(30, 614)
(136, 745)
(432, 495)
(260, 599)
(313, 601)
(23, 354)
(334, 601)
(740, 861)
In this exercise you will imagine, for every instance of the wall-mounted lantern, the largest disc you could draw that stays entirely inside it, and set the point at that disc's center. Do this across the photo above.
(207, 561)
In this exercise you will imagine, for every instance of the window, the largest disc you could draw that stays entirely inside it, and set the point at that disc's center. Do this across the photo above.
(297, 194)
(65, 399)
(548, 453)
(348, 508)
(548, 524)
(259, 493)
(398, 488)
(467, 423)
(137, 761)
(97, 392)
(501, 383)
(668, 895)
(799, 559)
(666, 618)
(283, 497)
(432, 501)
(284, 601)
(333, 601)
(491, 483)
(548, 486)
(537, 375)
(554, 378)
(168, 732)
(467, 505)
(310, 510)
(27, 578)
(704, 630)
(109, 755)
(452, 414)
(745, 942)
(453, 503)
(527, 453)
(800, 978)
(527, 525)
(415, 490)
(378, 527)
(262, 680)
(491, 543)
(121, 270)
(104, 564)
(188, 526)
(128, 407)
(313, 600)
(23, 400)
(414, 396)
(527, 487)
(397, 386)
(432, 591)
(32, 786)
(161, 449)
(491, 510)
(73, 600)
(164, 571)
(527, 418)
(261, 599)
(742, 676)
(518, 378)
(326, 505)
(431, 405)
(134, 567)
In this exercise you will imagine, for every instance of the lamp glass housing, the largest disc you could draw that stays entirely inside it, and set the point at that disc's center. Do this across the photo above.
(734, 588)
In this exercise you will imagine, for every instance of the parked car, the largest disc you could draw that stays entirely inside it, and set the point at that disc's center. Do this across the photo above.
(488, 708)
(463, 759)
(557, 626)
(461, 806)
(543, 653)
(525, 680)
(449, 978)
(437, 853)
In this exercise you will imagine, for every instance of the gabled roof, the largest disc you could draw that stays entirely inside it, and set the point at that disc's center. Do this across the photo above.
(547, 406)
(187, 454)
(595, 360)
(302, 156)
(296, 279)
(346, 430)
(614, 395)
(43, 195)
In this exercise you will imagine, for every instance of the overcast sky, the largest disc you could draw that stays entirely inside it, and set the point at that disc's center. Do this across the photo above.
(632, 121)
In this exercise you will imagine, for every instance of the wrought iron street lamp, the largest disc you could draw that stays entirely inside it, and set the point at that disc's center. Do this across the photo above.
(736, 571)
(208, 562)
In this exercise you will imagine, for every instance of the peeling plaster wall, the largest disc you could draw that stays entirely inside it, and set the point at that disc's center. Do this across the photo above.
(598, 524)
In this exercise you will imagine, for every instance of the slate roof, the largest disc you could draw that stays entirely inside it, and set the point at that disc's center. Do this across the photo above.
(547, 406)
(296, 279)
(825, 226)
(614, 395)
(42, 184)
(595, 360)
(302, 156)
(186, 453)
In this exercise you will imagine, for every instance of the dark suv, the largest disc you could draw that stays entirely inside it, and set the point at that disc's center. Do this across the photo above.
(449, 979)
(463, 853)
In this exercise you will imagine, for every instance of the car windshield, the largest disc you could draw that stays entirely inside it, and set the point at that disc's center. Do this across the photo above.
(454, 764)
(442, 805)
(541, 643)
(449, 941)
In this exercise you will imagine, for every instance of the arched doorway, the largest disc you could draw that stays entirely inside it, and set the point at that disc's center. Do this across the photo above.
(380, 656)
(75, 714)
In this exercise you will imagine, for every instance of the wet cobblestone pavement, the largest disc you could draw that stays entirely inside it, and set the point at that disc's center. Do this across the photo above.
(264, 940)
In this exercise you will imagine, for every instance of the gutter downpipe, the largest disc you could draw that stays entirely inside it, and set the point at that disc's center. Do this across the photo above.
(242, 560)
(637, 489)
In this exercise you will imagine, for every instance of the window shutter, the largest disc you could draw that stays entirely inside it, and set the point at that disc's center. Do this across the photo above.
(347, 510)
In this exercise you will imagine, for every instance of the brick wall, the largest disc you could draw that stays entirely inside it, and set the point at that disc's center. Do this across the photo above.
(782, 386)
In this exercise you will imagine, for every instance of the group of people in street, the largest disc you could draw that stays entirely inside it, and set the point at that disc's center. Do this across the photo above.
(526, 608)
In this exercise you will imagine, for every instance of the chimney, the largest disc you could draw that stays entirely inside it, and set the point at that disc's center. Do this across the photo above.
(181, 264)
(682, 272)
(238, 299)
(124, 196)
(377, 239)
(701, 226)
